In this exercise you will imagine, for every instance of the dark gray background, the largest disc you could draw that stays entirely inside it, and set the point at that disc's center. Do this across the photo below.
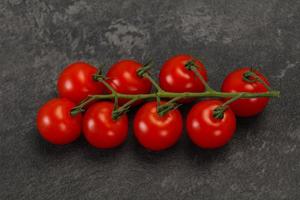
(39, 38)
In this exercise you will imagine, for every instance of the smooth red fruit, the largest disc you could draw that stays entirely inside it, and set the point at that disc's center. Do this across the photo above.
(100, 130)
(123, 77)
(205, 130)
(175, 77)
(55, 123)
(76, 82)
(157, 132)
(234, 82)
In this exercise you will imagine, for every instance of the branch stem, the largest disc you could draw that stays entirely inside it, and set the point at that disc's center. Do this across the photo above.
(208, 94)
(191, 65)
(158, 88)
(218, 113)
(207, 87)
(170, 95)
(240, 95)
(256, 78)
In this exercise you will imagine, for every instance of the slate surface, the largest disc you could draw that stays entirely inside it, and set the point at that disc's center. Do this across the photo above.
(38, 38)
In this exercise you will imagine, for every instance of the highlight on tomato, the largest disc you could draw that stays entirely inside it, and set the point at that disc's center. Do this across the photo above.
(174, 75)
(123, 78)
(156, 132)
(205, 129)
(101, 130)
(76, 82)
(55, 123)
(241, 80)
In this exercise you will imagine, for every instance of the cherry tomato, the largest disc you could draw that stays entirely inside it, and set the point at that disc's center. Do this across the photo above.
(175, 77)
(122, 76)
(234, 82)
(55, 123)
(205, 130)
(157, 132)
(76, 82)
(100, 130)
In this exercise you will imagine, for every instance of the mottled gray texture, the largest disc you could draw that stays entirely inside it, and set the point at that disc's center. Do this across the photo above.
(38, 38)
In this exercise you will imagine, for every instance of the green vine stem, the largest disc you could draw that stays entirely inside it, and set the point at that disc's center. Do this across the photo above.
(144, 72)
(164, 94)
(172, 96)
(218, 113)
(247, 77)
(123, 109)
(191, 65)
(101, 78)
(170, 105)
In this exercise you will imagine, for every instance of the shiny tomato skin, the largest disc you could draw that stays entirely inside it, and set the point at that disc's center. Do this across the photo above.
(100, 130)
(123, 77)
(175, 77)
(55, 123)
(245, 107)
(205, 130)
(76, 82)
(156, 132)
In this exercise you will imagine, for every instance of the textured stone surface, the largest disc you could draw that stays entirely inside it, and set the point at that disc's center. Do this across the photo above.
(38, 38)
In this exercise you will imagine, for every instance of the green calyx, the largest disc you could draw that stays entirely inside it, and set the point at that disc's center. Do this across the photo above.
(251, 77)
(145, 68)
(218, 113)
(163, 109)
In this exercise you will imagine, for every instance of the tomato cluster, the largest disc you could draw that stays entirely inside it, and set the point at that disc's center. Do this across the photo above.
(153, 130)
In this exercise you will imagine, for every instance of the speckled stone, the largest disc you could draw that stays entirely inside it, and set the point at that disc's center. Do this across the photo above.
(38, 38)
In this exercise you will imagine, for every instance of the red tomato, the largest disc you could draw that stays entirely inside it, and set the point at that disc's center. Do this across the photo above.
(55, 123)
(234, 82)
(175, 77)
(122, 76)
(205, 130)
(76, 82)
(157, 132)
(100, 130)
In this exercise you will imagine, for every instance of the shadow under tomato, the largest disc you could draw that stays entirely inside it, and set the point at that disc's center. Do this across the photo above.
(149, 156)
(202, 156)
(78, 147)
(244, 124)
(248, 121)
(101, 155)
(47, 149)
(206, 156)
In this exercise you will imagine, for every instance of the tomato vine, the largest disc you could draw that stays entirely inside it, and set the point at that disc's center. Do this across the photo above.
(209, 92)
